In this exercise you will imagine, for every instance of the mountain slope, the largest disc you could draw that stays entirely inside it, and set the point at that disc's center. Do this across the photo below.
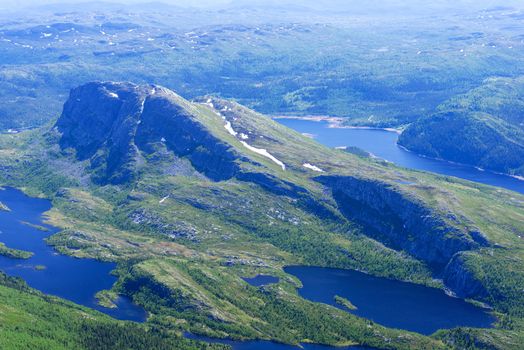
(189, 197)
(31, 320)
(483, 128)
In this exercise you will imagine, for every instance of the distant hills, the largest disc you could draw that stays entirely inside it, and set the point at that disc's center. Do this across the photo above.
(483, 128)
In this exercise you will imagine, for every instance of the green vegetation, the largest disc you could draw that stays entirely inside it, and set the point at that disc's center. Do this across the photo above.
(31, 320)
(37, 227)
(14, 253)
(284, 62)
(483, 128)
(345, 302)
(183, 241)
(106, 298)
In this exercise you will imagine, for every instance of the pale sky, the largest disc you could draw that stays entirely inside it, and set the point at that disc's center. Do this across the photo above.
(331, 4)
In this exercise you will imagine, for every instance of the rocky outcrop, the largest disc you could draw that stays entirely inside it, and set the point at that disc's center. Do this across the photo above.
(113, 124)
(461, 280)
(399, 221)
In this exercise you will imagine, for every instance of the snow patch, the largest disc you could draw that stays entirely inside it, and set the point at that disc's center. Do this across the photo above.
(243, 136)
(264, 153)
(163, 199)
(229, 129)
(113, 95)
(312, 167)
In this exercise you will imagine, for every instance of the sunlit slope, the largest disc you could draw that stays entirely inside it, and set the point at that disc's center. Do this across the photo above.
(184, 193)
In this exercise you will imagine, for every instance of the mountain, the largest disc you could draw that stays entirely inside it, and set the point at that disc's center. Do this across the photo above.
(483, 128)
(190, 196)
(290, 60)
(115, 125)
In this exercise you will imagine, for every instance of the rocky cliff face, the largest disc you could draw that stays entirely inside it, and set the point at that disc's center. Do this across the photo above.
(461, 280)
(399, 221)
(113, 124)
(114, 127)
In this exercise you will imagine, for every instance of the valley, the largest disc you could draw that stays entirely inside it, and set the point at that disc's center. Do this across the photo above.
(383, 144)
(187, 210)
(396, 69)
(246, 175)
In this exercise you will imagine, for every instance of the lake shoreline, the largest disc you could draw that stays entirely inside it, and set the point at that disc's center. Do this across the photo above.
(52, 272)
(384, 145)
(335, 122)
(517, 177)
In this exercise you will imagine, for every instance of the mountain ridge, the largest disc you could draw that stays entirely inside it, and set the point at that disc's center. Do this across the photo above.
(173, 228)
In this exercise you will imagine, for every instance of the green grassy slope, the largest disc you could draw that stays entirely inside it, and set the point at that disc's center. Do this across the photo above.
(31, 320)
(183, 241)
(483, 128)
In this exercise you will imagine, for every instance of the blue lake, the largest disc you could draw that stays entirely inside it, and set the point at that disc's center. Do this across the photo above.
(261, 280)
(268, 345)
(383, 144)
(74, 279)
(390, 303)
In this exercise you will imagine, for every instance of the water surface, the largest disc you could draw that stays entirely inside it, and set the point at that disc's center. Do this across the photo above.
(390, 303)
(383, 144)
(77, 280)
(261, 280)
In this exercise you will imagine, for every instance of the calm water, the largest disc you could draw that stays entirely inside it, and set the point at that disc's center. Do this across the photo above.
(74, 279)
(261, 280)
(390, 303)
(383, 144)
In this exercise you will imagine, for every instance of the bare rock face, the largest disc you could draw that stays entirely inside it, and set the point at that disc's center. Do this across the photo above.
(461, 280)
(399, 221)
(113, 124)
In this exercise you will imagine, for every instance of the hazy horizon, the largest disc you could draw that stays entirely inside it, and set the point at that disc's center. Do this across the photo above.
(323, 4)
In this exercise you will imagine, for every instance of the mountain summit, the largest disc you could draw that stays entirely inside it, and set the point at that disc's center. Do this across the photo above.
(114, 125)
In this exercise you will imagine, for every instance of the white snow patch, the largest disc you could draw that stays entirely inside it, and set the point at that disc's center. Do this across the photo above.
(46, 35)
(229, 129)
(209, 102)
(163, 199)
(264, 153)
(113, 95)
(312, 167)
(163, 139)
(243, 136)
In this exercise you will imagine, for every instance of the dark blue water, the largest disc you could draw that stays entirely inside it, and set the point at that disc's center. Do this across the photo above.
(383, 144)
(74, 279)
(390, 303)
(261, 280)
